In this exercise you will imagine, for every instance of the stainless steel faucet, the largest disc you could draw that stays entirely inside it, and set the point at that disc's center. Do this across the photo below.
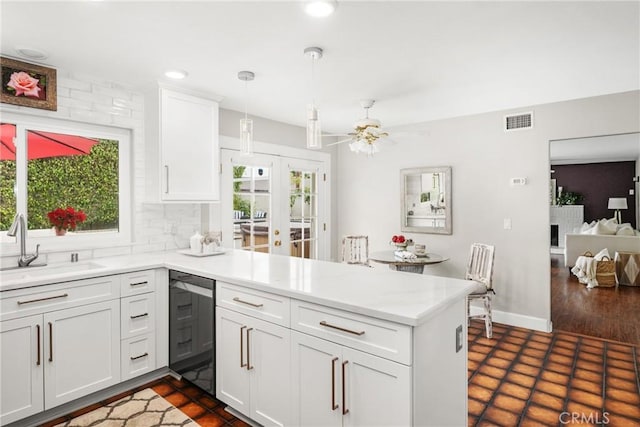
(19, 222)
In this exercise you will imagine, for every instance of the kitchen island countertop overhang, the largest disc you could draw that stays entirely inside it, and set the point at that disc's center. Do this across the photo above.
(404, 298)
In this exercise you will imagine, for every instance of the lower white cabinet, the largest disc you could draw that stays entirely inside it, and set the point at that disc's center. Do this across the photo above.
(63, 341)
(22, 367)
(253, 367)
(71, 352)
(334, 385)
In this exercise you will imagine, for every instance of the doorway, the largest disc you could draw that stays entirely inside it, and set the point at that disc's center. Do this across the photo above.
(602, 312)
(274, 204)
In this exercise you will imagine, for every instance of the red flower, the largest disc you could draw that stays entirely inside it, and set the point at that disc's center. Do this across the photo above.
(66, 219)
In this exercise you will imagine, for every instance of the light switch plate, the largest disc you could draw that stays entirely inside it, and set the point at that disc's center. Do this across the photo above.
(507, 223)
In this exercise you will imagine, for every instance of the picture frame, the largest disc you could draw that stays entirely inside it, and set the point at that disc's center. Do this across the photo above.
(28, 85)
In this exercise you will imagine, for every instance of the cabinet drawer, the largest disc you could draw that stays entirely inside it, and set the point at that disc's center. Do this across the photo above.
(138, 315)
(263, 305)
(379, 337)
(138, 356)
(57, 296)
(137, 282)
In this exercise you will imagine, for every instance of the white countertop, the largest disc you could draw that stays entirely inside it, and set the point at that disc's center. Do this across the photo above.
(390, 295)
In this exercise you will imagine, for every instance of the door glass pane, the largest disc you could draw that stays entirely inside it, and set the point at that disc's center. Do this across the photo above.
(303, 224)
(251, 207)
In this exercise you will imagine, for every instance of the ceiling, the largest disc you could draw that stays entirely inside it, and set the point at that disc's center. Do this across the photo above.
(421, 60)
(606, 148)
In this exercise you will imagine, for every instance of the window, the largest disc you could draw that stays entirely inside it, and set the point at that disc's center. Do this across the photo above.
(49, 164)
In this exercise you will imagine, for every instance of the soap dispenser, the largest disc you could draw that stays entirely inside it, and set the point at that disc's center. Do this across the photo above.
(196, 242)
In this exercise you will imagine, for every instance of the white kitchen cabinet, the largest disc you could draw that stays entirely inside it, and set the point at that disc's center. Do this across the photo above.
(70, 352)
(21, 365)
(82, 348)
(252, 367)
(334, 385)
(189, 147)
(62, 341)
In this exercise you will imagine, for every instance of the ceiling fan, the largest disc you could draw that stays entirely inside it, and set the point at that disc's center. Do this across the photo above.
(366, 132)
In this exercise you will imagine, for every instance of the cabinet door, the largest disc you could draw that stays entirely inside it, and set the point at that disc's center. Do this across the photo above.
(189, 146)
(20, 368)
(269, 358)
(316, 384)
(372, 386)
(232, 376)
(82, 351)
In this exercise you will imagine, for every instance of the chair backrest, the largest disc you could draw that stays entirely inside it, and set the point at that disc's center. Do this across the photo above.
(355, 250)
(480, 264)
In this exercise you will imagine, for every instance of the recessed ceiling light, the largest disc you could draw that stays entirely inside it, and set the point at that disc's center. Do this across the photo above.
(31, 53)
(320, 8)
(176, 74)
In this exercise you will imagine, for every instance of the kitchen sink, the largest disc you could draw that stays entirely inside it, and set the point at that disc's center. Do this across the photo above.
(47, 270)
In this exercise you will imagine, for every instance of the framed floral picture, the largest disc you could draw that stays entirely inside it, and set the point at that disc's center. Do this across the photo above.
(28, 85)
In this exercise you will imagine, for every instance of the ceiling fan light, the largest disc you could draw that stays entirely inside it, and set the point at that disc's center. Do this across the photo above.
(320, 8)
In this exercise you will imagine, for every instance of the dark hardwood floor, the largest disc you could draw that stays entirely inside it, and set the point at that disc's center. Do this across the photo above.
(609, 313)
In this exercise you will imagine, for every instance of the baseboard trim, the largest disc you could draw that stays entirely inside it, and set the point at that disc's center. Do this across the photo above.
(514, 319)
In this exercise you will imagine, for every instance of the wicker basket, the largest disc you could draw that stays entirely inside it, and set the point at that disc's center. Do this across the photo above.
(605, 271)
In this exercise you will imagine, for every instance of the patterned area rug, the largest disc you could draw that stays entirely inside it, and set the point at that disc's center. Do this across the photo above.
(142, 409)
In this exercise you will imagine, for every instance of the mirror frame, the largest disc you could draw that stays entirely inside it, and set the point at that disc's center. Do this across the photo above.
(404, 173)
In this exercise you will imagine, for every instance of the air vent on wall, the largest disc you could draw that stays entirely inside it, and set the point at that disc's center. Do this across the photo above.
(518, 121)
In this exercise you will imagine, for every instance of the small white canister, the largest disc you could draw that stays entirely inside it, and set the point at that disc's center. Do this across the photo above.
(195, 242)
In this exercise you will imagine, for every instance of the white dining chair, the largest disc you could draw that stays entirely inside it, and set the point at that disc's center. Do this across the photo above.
(355, 250)
(480, 271)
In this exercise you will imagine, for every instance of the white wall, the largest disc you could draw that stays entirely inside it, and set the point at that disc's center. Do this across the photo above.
(483, 157)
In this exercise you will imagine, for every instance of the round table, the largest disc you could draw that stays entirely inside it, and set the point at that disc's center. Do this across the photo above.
(415, 265)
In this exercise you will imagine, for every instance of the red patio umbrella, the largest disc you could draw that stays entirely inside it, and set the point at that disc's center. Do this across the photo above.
(43, 144)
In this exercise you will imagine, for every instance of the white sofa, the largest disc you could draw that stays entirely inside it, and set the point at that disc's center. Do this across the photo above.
(577, 244)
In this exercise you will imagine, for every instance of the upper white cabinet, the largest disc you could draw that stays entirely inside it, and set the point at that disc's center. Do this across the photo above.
(189, 148)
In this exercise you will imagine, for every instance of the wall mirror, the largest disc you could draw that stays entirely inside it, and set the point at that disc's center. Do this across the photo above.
(426, 199)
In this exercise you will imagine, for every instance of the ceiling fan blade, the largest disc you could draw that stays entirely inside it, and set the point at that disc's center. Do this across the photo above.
(339, 142)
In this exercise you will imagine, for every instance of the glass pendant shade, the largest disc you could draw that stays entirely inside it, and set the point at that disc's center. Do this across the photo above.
(246, 137)
(246, 124)
(314, 134)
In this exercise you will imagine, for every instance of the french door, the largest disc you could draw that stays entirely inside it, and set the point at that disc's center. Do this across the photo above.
(274, 204)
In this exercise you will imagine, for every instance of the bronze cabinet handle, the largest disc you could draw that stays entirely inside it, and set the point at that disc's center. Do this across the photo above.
(334, 406)
(42, 299)
(345, 411)
(139, 357)
(38, 346)
(50, 342)
(236, 299)
(340, 328)
(137, 316)
(249, 367)
(138, 283)
(242, 364)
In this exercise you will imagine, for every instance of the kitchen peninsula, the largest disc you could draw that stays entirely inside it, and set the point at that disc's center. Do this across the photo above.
(298, 341)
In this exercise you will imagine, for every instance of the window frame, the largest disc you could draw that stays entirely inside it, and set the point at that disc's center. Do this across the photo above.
(71, 241)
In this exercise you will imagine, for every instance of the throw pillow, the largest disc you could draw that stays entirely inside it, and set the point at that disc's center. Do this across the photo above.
(602, 227)
(603, 253)
(586, 227)
(625, 230)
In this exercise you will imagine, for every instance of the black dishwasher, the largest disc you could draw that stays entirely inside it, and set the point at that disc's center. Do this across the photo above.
(192, 329)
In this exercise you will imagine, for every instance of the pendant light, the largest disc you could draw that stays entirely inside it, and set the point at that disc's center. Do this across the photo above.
(314, 134)
(246, 124)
